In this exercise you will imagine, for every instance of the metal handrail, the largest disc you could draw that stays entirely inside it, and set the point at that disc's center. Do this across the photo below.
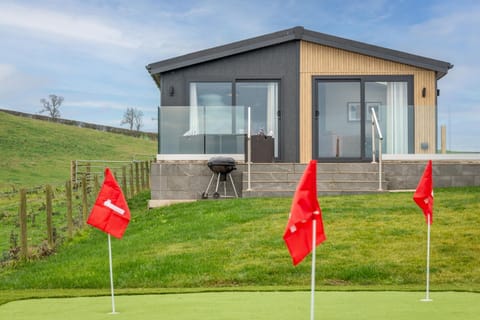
(249, 150)
(376, 126)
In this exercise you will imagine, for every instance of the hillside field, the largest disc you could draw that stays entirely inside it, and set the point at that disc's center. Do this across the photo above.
(35, 152)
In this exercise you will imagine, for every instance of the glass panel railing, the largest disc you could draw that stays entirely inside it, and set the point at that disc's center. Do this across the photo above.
(202, 130)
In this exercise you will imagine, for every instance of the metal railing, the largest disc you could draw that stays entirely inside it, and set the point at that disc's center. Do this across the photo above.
(376, 128)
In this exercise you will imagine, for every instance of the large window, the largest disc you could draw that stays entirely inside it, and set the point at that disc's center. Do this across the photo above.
(395, 115)
(262, 98)
(212, 112)
(210, 99)
(338, 118)
(342, 116)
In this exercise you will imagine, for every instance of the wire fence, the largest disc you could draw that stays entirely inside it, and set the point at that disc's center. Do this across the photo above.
(35, 221)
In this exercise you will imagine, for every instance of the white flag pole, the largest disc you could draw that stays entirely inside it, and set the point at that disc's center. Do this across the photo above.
(314, 240)
(111, 274)
(249, 148)
(427, 292)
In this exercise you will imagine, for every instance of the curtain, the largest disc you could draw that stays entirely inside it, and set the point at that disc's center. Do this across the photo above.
(397, 118)
(194, 127)
(272, 108)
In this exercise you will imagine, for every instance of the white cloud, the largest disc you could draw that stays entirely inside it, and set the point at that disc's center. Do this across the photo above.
(90, 104)
(104, 105)
(70, 26)
(16, 83)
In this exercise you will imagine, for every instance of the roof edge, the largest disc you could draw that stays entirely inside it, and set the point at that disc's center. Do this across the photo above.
(233, 48)
(299, 33)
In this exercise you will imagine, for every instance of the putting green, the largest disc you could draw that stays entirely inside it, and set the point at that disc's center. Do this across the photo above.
(252, 305)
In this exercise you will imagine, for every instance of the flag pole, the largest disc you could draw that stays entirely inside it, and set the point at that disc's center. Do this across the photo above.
(111, 273)
(427, 291)
(249, 149)
(314, 240)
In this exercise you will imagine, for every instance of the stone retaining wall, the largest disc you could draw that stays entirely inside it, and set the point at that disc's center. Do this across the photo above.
(401, 175)
(182, 180)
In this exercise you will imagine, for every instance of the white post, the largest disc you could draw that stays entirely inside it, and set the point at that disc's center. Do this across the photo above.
(314, 240)
(373, 141)
(111, 274)
(427, 291)
(249, 149)
(380, 165)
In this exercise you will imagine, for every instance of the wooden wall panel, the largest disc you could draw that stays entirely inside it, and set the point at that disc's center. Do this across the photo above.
(318, 60)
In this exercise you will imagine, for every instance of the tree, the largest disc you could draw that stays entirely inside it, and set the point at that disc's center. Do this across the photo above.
(52, 106)
(133, 117)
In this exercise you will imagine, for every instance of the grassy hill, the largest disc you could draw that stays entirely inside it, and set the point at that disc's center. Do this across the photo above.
(35, 152)
(375, 241)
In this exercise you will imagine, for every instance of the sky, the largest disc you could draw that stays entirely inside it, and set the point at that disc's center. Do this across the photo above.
(94, 52)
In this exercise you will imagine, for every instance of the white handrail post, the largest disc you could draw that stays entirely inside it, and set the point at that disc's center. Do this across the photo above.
(380, 139)
(249, 150)
(373, 141)
(380, 164)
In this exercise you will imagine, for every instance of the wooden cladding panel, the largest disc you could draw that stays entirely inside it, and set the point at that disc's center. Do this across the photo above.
(425, 111)
(305, 117)
(318, 60)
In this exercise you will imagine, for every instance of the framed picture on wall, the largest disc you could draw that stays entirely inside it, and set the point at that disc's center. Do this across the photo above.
(353, 111)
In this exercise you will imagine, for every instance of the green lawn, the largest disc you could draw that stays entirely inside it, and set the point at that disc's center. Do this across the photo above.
(253, 305)
(374, 242)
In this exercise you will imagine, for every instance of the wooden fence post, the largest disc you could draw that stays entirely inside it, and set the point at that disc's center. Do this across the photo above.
(148, 164)
(88, 174)
(73, 172)
(68, 191)
(49, 196)
(132, 190)
(137, 178)
(142, 175)
(23, 224)
(84, 200)
(124, 181)
(96, 185)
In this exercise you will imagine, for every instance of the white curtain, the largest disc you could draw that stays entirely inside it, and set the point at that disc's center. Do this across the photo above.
(194, 127)
(397, 118)
(272, 106)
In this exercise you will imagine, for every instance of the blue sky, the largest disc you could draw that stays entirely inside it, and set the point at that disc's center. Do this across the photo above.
(94, 53)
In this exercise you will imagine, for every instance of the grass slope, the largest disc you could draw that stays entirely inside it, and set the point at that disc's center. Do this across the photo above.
(35, 152)
(374, 242)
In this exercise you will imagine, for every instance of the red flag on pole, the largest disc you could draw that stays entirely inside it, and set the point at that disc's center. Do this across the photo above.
(110, 212)
(424, 193)
(305, 208)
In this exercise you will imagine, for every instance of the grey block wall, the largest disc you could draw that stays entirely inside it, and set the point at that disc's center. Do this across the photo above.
(402, 175)
(183, 180)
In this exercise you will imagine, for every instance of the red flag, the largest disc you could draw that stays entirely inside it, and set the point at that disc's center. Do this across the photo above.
(305, 208)
(424, 194)
(110, 212)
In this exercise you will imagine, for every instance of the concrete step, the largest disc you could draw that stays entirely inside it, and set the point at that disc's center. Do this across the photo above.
(321, 176)
(321, 185)
(321, 167)
(289, 194)
(332, 178)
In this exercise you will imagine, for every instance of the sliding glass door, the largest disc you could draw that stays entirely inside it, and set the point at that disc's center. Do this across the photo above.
(218, 113)
(343, 117)
(337, 119)
(262, 98)
(390, 100)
